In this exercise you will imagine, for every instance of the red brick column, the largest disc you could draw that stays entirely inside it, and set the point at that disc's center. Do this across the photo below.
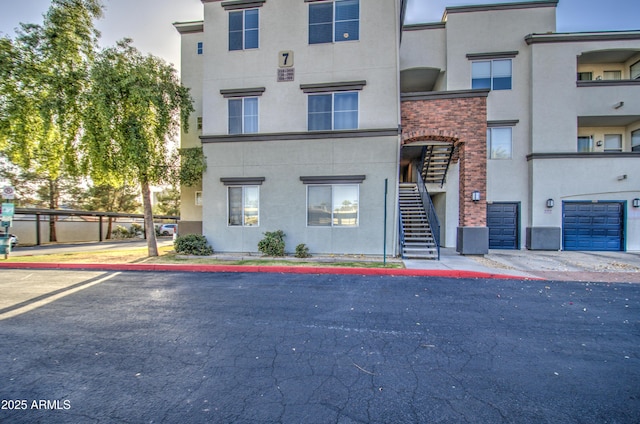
(461, 116)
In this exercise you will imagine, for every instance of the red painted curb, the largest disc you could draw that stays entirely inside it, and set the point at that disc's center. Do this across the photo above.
(265, 269)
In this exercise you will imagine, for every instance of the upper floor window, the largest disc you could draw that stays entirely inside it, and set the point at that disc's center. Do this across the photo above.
(613, 142)
(334, 21)
(499, 142)
(585, 144)
(333, 111)
(635, 70)
(612, 75)
(585, 76)
(635, 141)
(200, 47)
(243, 29)
(493, 74)
(243, 115)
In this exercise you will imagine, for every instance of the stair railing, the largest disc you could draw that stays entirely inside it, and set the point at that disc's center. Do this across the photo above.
(434, 222)
(401, 227)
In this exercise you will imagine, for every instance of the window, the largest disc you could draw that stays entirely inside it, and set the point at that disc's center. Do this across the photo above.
(635, 70)
(243, 29)
(635, 140)
(243, 115)
(585, 144)
(612, 75)
(198, 198)
(492, 74)
(244, 206)
(333, 111)
(332, 205)
(199, 123)
(613, 142)
(499, 142)
(200, 48)
(334, 21)
(585, 76)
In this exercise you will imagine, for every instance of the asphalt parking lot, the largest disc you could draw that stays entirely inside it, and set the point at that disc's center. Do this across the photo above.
(270, 348)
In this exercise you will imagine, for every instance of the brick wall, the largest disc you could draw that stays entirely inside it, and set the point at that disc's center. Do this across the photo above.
(461, 120)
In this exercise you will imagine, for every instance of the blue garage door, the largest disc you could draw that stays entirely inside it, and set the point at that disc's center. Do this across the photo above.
(593, 226)
(502, 220)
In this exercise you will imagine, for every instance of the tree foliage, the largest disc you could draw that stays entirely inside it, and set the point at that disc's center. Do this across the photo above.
(43, 75)
(193, 163)
(137, 103)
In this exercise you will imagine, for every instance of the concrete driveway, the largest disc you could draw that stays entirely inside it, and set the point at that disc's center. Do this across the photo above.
(271, 348)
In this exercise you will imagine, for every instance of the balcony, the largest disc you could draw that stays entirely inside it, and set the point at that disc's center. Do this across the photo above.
(608, 84)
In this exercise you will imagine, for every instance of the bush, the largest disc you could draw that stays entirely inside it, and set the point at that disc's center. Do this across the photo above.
(272, 244)
(302, 251)
(121, 233)
(192, 244)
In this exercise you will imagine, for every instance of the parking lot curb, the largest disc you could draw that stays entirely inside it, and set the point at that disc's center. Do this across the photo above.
(265, 269)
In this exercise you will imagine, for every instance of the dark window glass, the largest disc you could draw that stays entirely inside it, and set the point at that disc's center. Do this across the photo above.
(320, 23)
(320, 112)
(347, 20)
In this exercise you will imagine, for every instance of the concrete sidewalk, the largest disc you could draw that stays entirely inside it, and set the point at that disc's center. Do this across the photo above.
(554, 265)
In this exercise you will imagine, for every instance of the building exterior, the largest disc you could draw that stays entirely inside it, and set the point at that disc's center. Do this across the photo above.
(327, 123)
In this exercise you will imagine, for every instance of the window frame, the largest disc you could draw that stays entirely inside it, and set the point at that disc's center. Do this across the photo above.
(635, 134)
(333, 110)
(243, 115)
(243, 207)
(631, 70)
(332, 209)
(590, 143)
(244, 29)
(617, 149)
(334, 23)
(492, 77)
(490, 150)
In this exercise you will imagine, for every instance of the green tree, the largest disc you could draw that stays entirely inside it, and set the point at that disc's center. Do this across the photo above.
(168, 202)
(43, 76)
(136, 103)
(111, 198)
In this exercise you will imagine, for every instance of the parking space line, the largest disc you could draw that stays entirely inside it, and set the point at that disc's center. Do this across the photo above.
(47, 298)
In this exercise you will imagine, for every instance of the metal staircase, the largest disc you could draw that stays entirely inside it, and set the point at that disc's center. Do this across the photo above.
(435, 162)
(417, 238)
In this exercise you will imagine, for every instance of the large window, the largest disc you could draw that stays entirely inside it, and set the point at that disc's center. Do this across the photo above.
(333, 111)
(492, 74)
(334, 21)
(243, 115)
(244, 206)
(635, 141)
(332, 205)
(499, 142)
(613, 142)
(243, 29)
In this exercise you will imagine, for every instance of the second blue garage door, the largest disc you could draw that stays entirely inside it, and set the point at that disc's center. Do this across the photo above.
(593, 226)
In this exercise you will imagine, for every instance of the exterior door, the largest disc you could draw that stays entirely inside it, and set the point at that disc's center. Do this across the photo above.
(503, 222)
(593, 226)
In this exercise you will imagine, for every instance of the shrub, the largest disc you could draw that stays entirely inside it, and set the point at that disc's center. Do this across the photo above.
(121, 232)
(302, 251)
(192, 244)
(272, 244)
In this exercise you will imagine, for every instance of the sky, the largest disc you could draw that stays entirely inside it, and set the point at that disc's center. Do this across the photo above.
(149, 22)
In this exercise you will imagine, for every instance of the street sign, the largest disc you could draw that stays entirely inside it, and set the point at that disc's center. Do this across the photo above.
(8, 192)
(8, 210)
